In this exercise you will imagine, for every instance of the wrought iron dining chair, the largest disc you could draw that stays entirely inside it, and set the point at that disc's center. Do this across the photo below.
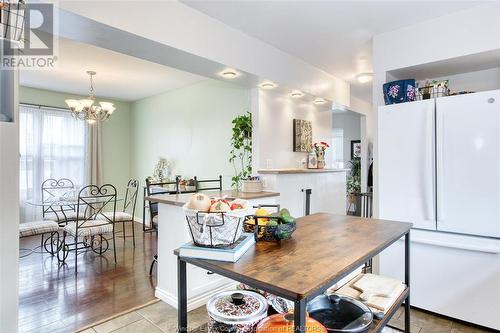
(126, 215)
(208, 184)
(156, 188)
(57, 190)
(89, 232)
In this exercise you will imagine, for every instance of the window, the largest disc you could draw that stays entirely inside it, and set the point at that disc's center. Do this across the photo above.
(52, 145)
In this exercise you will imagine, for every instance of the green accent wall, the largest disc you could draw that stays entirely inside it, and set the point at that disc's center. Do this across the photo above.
(115, 132)
(190, 127)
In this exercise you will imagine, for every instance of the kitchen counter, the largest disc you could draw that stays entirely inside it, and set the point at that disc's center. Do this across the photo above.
(313, 190)
(181, 199)
(299, 170)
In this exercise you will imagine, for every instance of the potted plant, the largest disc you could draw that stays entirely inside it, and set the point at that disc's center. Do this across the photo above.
(240, 155)
(354, 183)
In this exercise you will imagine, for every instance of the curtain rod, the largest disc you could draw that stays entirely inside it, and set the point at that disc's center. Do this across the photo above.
(44, 106)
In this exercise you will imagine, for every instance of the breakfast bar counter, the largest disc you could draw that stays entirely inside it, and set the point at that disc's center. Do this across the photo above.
(173, 232)
(181, 199)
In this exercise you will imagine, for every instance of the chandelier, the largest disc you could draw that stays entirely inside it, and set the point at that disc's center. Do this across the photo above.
(85, 109)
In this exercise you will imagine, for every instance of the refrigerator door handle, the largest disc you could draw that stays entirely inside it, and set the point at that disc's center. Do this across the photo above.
(440, 209)
(429, 168)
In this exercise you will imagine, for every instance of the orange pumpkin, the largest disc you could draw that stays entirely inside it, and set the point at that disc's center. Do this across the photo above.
(284, 323)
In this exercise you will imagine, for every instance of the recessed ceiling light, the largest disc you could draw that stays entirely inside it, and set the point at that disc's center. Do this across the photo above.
(296, 94)
(319, 101)
(267, 85)
(229, 74)
(364, 77)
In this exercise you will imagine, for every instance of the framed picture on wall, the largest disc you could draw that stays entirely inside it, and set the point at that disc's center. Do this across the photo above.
(302, 135)
(355, 149)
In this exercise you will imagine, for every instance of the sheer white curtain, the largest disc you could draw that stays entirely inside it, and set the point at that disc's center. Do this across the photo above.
(52, 145)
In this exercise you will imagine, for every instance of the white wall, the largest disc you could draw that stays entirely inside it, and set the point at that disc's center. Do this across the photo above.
(275, 129)
(350, 122)
(470, 31)
(488, 79)
(9, 206)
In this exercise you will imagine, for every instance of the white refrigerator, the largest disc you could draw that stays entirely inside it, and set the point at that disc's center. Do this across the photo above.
(438, 166)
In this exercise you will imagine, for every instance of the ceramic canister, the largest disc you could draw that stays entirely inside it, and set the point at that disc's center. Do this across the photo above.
(235, 311)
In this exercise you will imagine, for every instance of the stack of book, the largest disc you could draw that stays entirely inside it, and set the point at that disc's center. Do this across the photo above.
(229, 254)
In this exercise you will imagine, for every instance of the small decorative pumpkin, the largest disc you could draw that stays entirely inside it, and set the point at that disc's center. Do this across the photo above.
(200, 202)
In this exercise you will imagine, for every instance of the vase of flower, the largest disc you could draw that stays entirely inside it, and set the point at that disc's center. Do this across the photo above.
(320, 148)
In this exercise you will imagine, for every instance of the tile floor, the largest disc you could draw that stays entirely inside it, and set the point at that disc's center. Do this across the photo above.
(161, 318)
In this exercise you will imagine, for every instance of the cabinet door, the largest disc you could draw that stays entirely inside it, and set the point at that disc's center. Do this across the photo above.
(406, 163)
(468, 163)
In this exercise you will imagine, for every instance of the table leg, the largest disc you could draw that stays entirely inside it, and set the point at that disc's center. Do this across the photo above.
(144, 211)
(181, 296)
(300, 316)
(407, 282)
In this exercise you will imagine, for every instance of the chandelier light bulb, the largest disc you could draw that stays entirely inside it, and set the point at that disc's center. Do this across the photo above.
(86, 103)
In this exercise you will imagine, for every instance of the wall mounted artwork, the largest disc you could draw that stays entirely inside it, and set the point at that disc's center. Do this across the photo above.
(302, 135)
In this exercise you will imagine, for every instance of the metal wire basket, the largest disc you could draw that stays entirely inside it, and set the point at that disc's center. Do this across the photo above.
(215, 229)
(269, 228)
(12, 20)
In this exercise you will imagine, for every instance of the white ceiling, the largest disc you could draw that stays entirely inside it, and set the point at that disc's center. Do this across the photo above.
(332, 35)
(119, 76)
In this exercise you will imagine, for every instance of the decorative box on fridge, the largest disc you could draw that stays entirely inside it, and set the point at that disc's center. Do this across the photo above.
(399, 91)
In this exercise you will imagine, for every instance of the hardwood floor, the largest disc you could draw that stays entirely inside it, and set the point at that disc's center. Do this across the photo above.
(52, 299)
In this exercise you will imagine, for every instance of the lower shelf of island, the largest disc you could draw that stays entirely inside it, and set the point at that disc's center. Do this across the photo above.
(378, 325)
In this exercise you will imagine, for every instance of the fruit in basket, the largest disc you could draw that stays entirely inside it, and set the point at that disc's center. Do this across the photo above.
(287, 219)
(285, 216)
(260, 222)
(237, 204)
(262, 213)
(284, 211)
(220, 206)
(272, 223)
(200, 202)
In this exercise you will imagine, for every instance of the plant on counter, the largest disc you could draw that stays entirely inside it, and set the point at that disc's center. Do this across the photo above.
(240, 155)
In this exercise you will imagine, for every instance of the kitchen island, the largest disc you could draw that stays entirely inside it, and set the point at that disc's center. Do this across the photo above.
(324, 249)
(173, 232)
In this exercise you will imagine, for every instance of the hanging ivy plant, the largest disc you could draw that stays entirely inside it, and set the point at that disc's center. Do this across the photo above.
(240, 155)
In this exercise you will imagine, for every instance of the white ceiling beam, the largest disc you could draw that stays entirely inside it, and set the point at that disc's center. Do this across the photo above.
(192, 41)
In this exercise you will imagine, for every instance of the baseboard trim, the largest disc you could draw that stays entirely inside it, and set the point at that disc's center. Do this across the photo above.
(193, 302)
